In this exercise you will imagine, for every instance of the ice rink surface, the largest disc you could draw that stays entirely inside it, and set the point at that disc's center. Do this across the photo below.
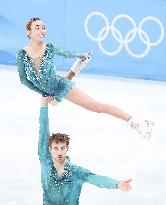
(99, 142)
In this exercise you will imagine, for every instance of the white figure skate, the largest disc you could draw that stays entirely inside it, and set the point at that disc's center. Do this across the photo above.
(80, 63)
(144, 127)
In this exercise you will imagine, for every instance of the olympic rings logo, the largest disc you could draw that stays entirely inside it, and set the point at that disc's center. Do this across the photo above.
(125, 40)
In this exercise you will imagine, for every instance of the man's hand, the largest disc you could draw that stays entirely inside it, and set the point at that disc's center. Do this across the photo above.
(124, 185)
(46, 100)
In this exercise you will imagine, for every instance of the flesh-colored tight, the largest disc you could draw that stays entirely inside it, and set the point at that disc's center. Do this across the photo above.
(80, 98)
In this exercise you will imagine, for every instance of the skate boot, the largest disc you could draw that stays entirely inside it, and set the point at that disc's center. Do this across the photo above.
(144, 127)
(80, 63)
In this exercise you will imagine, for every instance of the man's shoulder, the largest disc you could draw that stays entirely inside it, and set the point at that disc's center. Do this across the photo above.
(78, 169)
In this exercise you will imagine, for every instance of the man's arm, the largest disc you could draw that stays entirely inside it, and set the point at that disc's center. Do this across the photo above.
(43, 149)
(104, 181)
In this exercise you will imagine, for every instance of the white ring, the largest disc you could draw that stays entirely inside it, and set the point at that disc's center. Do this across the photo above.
(96, 13)
(109, 53)
(114, 21)
(148, 18)
(143, 54)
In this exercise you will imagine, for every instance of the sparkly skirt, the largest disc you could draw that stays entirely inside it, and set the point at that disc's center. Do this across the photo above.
(61, 87)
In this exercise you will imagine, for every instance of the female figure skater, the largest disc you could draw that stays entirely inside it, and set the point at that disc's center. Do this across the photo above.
(36, 71)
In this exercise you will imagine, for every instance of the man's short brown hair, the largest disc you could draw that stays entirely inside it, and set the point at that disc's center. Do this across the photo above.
(58, 137)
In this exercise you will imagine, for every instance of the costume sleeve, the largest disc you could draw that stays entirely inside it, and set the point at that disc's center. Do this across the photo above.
(23, 75)
(67, 54)
(99, 181)
(43, 149)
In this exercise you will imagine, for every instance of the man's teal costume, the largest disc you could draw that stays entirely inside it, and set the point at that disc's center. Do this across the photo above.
(64, 189)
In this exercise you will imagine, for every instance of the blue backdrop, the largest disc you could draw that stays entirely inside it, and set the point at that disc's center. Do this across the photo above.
(127, 37)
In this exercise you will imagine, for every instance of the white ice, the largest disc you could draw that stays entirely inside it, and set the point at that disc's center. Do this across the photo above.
(101, 143)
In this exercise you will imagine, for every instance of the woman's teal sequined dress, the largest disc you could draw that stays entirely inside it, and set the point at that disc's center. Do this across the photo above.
(65, 189)
(46, 82)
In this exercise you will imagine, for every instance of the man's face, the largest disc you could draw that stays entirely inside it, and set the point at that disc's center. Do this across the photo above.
(59, 151)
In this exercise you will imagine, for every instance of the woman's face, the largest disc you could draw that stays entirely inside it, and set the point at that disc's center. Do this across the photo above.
(37, 31)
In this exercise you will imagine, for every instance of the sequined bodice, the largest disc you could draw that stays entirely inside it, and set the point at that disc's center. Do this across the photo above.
(37, 62)
(36, 68)
(44, 79)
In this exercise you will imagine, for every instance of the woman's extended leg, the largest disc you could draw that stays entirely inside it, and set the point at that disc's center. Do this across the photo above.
(144, 127)
(78, 97)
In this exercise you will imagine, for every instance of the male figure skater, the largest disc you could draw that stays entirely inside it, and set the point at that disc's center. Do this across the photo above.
(61, 180)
